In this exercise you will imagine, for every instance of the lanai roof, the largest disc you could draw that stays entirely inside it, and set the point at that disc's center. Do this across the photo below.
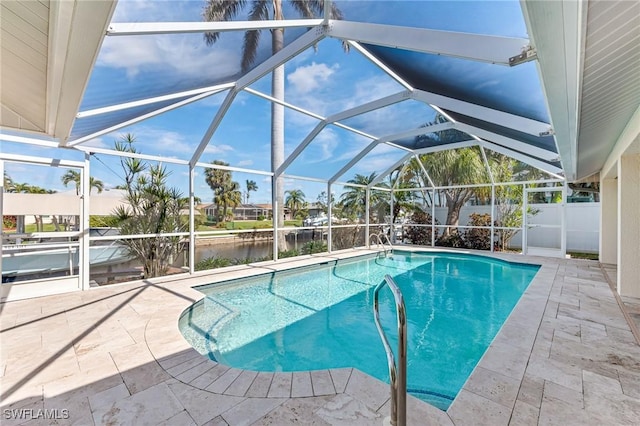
(496, 70)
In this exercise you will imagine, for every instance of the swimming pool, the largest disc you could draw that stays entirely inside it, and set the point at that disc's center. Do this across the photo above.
(321, 317)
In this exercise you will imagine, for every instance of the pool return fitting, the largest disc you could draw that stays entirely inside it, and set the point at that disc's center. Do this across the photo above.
(397, 374)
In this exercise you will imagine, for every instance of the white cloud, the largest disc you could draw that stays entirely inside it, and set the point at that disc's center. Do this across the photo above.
(162, 141)
(244, 163)
(97, 143)
(218, 149)
(179, 54)
(337, 96)
(310, 77)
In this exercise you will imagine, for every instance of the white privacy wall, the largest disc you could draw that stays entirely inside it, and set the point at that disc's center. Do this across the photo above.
(582, 225)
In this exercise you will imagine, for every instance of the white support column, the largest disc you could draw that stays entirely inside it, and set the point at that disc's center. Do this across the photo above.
(629, 225)
(367, 242)
(192, 227)
(433, 217)
(563, 221)
(493, 213)
(609, 221)
(525, 207)
(391, 230)
(1, 207)
(329, 214)
(83, 258)
(274, 216)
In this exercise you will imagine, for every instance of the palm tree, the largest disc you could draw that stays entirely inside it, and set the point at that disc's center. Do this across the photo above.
(353, 202)
(228, 196)
(455, 167)
(71, 176)
(25, 188)
(218, 180)
(226, 192)
(251, 186)
(295, 201)
(226, 10)
(152, 208)
(74, 176)
(8, 183)
(452, 167)
(95, 183)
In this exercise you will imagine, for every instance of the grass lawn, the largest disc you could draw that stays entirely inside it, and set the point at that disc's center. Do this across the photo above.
(579, 255)
(47, 227)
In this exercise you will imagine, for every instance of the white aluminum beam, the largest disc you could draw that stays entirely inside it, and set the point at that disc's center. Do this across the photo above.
(370, 106)
(233, 169)
(400, 147)
(396, 136)
(558, 31)
(354, 160)
(213, 126)
(486, 163)
(545, 167)
(210, 90)
(504, 119)
(31, 141)
(292, 49)
(380, 64)
(301, 147)
(305, 178)
(53, 162)
(508, 142)
(148, 157)
(476, 47)
(147, 28)
(88, 25)
(298, 45)
(446, 146)
(356, 131)
(283, 103)
(349, 184)
(417, 132)
(360, 109)
(384, 174)
(83, 139)
(415, 156)
(304, 111)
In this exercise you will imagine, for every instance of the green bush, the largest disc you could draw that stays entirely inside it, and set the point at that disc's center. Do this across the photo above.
(420, 235)
(9, 222)
(314, 247)
(454, 239)
(212, 263)
(288, 253)
(479, 239)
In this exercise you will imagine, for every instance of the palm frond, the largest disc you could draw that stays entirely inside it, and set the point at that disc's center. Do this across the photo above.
(220, 10)
(304, 8)
(259, 12)
(250, 48)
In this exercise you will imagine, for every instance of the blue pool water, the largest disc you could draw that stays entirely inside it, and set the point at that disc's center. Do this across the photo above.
(321, 317)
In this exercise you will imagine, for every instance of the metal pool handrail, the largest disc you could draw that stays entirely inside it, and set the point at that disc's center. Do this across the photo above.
(388, 241)
(381, 244)
(397, 374)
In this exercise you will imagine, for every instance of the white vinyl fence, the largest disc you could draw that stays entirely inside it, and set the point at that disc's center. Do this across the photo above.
(582, 224)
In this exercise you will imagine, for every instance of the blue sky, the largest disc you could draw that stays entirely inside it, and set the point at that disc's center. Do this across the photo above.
(323, 79)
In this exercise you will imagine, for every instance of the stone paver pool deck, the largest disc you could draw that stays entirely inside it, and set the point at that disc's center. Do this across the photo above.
(114, 355)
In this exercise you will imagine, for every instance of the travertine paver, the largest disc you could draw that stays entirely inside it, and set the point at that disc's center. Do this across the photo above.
(114, 355)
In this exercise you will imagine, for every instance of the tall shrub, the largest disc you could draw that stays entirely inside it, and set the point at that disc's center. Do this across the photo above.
(152, 207)
(420, 235)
